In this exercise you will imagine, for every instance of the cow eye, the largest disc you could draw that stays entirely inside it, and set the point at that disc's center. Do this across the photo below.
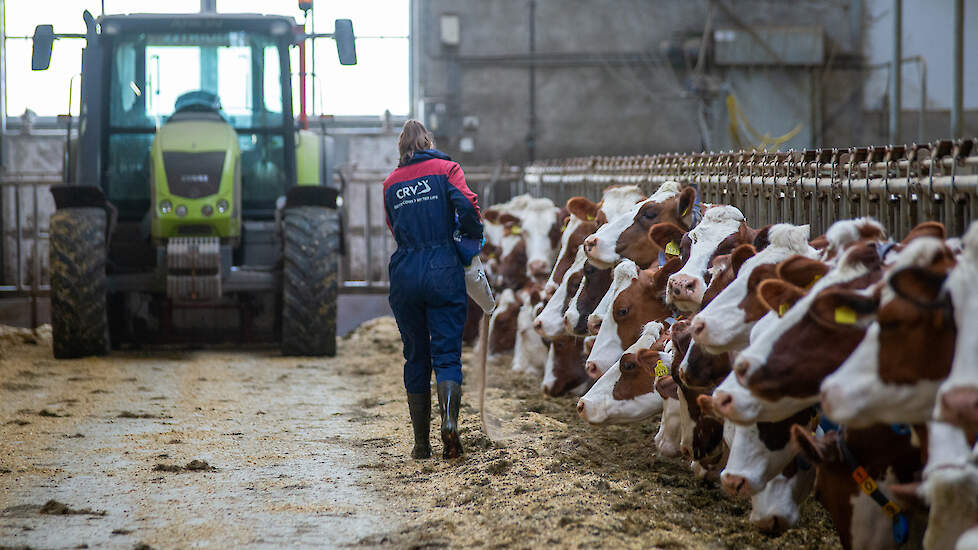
(650, 214)
(621, 312)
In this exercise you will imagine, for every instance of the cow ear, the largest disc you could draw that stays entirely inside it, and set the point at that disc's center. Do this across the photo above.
(667, 387)
(778, 295)
(662, 234)
(506, 217)
(582, 208)
(926, 229)
(917, 284)
(684, 206)
(801, 271)
(819, 243)
(811, 448)
(740, 255)
(840, 307)
(761, 238)
(661, 277)
(491, 215)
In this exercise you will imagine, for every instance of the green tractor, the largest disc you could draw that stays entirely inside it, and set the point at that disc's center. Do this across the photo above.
(194, 205)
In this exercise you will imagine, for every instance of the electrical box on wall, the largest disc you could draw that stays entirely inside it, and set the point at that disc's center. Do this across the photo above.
(451, 33)
(804, 46)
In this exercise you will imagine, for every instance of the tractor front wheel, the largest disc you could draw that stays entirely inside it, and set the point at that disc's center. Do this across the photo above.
(78, 283)
(310, 280)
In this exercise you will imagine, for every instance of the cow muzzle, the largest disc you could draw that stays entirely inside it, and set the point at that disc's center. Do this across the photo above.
(684, 288)
(538, 268)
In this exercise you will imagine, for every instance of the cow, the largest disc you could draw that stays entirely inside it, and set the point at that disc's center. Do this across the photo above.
(638, 299)
(564, 369)
(627, 235)
(584, 219)
(503, 323)
(722, 229)
(778, 506)
(550, 322)
(882, 455)
(701, 436)
(592, 289)
(958, 401)
(625, 393)
(892, 376)
(530, 349)
(724, 323)
(831, 317)
(950, 484)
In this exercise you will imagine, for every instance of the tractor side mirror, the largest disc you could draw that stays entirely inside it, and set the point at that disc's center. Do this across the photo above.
(346, 45)
(43, 43)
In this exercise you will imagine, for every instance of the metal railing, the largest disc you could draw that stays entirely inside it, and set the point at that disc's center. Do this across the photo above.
(24, 233)
(900, 186)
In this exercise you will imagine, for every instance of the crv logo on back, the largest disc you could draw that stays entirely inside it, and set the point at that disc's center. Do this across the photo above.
(420, 188)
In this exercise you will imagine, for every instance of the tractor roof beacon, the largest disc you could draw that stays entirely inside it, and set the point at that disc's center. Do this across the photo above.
(193, 202)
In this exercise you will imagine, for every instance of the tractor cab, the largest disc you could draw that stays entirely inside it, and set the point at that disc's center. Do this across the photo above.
(189, 158)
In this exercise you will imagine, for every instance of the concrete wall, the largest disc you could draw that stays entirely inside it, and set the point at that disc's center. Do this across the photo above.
(604, 84)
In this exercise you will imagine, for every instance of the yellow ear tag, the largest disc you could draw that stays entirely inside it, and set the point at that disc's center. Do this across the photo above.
(660, 368)
(685, 212)
(672, 249)
(782, 309)
(845, 315)
(515, 230)
(814, 280)
(590, 218)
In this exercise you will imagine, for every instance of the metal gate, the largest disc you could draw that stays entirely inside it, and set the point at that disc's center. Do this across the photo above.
(900, 186)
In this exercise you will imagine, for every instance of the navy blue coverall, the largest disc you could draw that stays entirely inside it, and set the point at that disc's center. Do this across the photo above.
(427, 202)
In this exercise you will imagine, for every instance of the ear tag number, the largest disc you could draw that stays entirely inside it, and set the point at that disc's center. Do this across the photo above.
(672, 249)
(845, 315)
(515, 230)
(660, 368)
(782, 309)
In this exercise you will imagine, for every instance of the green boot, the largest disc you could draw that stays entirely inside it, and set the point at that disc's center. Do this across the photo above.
(420, 406)
(449, 400)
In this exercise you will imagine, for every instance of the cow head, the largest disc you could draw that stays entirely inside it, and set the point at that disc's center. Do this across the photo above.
(625, 393)
(549, 323)
(539, 220)
(626, 235)
(638, 300)
(724, 323)
(893, 374)
(592, 289)
(564, 370)
(502, 324)
(581, 222)
(777, 507)
(530, 351)
(722, 229)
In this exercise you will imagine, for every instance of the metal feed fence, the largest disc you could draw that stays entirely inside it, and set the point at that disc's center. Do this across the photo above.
(898, 185)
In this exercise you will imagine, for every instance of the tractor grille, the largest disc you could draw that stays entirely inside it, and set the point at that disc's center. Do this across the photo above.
(194, 175)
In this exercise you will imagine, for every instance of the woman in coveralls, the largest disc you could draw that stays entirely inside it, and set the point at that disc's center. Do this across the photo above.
(428, 205)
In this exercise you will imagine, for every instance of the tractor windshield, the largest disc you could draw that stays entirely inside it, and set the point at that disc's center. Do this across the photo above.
(236, 73)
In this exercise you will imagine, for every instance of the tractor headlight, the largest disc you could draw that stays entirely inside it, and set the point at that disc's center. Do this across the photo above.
(207, 210)
(181, 211)
(166, 207)
(222, 206)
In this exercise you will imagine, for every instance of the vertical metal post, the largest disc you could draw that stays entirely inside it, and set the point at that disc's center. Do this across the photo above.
(312, 63)
(36, 271)
(922, 64)
(531, 136)
(957, 88)
(896, 72)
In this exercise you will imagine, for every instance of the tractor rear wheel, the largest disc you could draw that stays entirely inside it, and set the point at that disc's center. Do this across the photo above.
(310, 280)
(78, 283)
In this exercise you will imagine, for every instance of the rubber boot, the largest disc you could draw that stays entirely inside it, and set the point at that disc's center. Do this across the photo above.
(420, 406)
(449, 400)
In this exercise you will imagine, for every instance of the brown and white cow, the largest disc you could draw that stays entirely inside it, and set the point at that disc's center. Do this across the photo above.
(564, 369)
(627, 235)
(958, 401)
(592, 289)
(638, 299)
(779, 373)
(625, 393)
(530, 350)
(549, 323)
(724, 323)
(893, 374)
(721, 230)
(887, 457)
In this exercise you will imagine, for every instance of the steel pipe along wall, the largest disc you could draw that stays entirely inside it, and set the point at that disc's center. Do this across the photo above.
(900, 186)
